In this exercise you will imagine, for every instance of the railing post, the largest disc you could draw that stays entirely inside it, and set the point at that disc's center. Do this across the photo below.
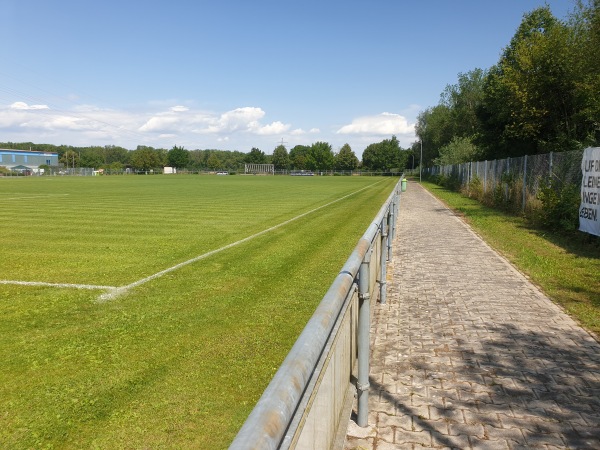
(396, 212)
(390, 233)
(364, 323)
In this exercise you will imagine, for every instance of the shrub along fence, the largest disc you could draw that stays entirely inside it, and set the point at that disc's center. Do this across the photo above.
(546, 188)
(306, 404)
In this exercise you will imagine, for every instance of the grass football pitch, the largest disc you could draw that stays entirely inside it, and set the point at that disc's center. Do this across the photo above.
(152, 311)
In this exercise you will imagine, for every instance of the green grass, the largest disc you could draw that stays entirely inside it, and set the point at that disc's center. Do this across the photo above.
(180, 361)
(566, 266)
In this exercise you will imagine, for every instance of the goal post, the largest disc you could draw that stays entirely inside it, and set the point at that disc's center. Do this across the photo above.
(260, 169)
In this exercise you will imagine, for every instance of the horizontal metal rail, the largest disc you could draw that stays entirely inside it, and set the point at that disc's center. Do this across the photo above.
(281, 418)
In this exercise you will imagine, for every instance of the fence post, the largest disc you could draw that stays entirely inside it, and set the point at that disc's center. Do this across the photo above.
(470, 172)
(485, 176)
(364, 319)
(385, 233)
(506, 187)
(524, 181)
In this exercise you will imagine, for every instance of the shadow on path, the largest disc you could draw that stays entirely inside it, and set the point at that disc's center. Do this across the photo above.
(520, 388)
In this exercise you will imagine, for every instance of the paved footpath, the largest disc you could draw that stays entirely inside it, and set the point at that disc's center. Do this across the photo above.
(467, 353)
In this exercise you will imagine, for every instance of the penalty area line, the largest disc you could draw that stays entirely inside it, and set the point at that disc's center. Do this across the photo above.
(113, 293)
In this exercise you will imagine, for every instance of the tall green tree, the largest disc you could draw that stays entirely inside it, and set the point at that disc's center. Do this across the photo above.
(113, 154)
(459, 150)
(198, 159)
(463, 99)
(541, 96)
(178, 157)
(320, 156)
(531, 99)
(145, 158)
(456, 115)
(92, 157)
(345, 159)
(281, 158)
(298, 157)
(384, 156)
(434, 129)
(586, 24)
(256, 156)
(213, 162)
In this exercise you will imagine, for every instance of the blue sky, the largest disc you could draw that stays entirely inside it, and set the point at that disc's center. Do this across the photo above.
(234, 74)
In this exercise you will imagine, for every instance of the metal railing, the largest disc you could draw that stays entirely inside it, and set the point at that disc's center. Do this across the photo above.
(303, 406)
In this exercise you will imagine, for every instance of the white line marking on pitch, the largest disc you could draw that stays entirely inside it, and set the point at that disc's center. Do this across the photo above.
(62, 285)
(114, 291)
(26, 197)
(123, 289)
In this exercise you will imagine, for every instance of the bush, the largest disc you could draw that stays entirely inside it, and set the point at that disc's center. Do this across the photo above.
(475, 188)
(560, 206)
(451, 182)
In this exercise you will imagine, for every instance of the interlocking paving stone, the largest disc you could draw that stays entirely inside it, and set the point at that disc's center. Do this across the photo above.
(467, 353)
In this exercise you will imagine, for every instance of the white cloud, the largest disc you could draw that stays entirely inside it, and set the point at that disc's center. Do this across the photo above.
(83, 124)
(26, 107)
(160, 123)
(246, 118)
(180, 119)
(163, 124)
(87, 108)
(301, 132)
(273, 128)
(384, 124)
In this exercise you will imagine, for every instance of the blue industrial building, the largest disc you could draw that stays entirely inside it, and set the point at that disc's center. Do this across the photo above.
(25, 160)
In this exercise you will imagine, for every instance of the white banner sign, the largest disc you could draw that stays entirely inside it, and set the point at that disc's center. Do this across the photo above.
(589, 210)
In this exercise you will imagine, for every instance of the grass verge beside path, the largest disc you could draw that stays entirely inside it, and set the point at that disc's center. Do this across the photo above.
(565, 266)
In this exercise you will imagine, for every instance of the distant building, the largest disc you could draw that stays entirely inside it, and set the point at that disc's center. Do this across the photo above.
(25, 160)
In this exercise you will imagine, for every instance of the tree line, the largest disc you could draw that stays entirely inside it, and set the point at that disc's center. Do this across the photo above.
(383, 156)
(542, 95)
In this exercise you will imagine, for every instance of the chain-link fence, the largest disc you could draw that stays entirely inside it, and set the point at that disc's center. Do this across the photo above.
(515, 183)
